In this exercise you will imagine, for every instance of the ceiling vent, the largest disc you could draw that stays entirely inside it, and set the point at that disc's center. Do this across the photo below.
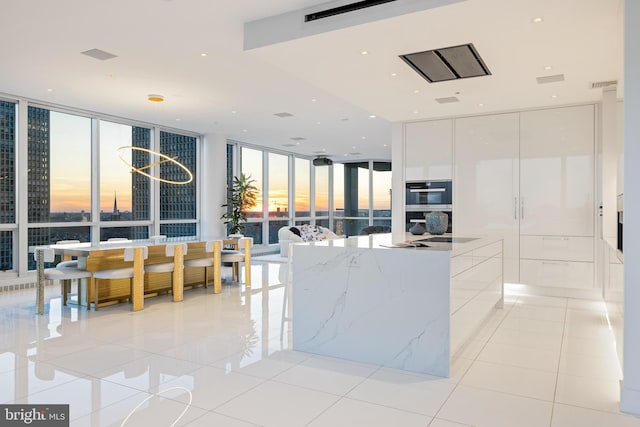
(447, 100)
(99, 54)
(550, 79)
(597, 85)
(298, 138)
(351, 7)
(449, 63)
(283, 114)
(288, 145)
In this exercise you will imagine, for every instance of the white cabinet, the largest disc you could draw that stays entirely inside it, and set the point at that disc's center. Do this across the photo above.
(485, 184)
(553, 273)
(529, 178)
(428, 147)
(556, 171)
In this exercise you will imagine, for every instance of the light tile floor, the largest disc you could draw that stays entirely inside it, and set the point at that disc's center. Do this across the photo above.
(537, 362)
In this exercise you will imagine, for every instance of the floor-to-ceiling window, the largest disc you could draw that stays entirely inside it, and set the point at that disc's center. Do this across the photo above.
(321, 213)
(84, 181)
(345, 197)
(381, 193)
(178, 196)
(302, 190)
(125, 197)
(278, 167)
(251, 165)
(59, 177)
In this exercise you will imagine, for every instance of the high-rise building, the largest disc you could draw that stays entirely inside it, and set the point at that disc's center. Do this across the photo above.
(7, 180)
(39, 168)
(177, 201)
(140, 186)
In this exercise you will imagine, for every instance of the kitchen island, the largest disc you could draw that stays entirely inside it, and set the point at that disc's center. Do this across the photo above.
(410, 308)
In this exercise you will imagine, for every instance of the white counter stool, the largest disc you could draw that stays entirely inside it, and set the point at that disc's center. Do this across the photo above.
(166, 267)
(236, 257)
(117, 273)
(64, 275)
(70, 263)
(205, 262)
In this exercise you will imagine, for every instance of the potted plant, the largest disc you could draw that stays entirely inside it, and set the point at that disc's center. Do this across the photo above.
(241, 195)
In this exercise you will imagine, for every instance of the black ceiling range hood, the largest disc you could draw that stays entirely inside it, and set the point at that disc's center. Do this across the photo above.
(449, 63)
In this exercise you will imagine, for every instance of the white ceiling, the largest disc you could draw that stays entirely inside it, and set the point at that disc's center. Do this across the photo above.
(159, 43)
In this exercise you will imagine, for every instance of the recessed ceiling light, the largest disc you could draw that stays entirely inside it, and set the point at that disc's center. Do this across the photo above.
(364, 137)
(415, 111)
(177, 120)
(155, 98)
(554, 96)
(384, 145)
(416, 91)
(313, 100)
(394, 74)
(537, 20)
(233, 111)
(317, 123)
(548, 67)
(203, 54)
(244, 130)
(364, 52)
(481, 105)
(49, 90)
(372, 116)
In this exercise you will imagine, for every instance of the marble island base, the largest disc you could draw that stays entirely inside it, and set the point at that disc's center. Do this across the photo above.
(404, 308)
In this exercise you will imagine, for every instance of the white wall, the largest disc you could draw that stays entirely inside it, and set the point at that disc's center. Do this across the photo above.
(630, 393)
(213, 181)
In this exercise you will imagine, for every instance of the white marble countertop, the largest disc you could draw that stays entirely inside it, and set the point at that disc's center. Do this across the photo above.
(384, 241)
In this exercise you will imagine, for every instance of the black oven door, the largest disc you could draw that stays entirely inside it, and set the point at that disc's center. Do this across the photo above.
(428, 193)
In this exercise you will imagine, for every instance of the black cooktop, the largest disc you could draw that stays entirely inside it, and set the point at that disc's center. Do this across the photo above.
(447, 239)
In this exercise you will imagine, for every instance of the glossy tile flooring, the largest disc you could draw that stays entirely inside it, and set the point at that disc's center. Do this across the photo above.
(538, 362)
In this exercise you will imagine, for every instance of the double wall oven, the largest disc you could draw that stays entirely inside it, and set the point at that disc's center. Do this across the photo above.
(422, 197)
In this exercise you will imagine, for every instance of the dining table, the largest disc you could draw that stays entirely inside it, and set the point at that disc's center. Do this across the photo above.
(104, 255)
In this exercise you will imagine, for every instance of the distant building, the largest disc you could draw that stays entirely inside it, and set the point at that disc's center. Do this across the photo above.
(115, 215)
(7, 181)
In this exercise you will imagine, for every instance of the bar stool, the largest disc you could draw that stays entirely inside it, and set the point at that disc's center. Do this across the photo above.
(117, 273)
(236, 257)
(62, 274)
(205, 262)
(166, 267)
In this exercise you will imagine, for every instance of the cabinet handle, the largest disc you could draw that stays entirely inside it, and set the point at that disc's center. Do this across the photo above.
(521, 207)
(515, 208)
(556, 262)
(554, 238)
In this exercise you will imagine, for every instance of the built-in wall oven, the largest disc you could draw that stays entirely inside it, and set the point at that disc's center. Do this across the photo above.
(620, 209)
(422, 197)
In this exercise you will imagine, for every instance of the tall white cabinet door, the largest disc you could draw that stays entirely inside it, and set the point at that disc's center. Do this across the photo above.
(557, 171)
(428, 150)
(485, 185)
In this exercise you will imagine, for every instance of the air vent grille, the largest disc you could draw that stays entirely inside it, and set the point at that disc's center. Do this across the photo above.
(283, 114)
(447, 100)
(449, 63)
(99, 54)
(550, 79)
(351, 7)
(298, 138)
(597, 85)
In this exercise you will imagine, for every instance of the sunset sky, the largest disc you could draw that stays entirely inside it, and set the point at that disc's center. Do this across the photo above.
(71, 172)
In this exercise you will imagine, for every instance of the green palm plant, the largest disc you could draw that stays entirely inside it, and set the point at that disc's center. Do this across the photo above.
(241, 196)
